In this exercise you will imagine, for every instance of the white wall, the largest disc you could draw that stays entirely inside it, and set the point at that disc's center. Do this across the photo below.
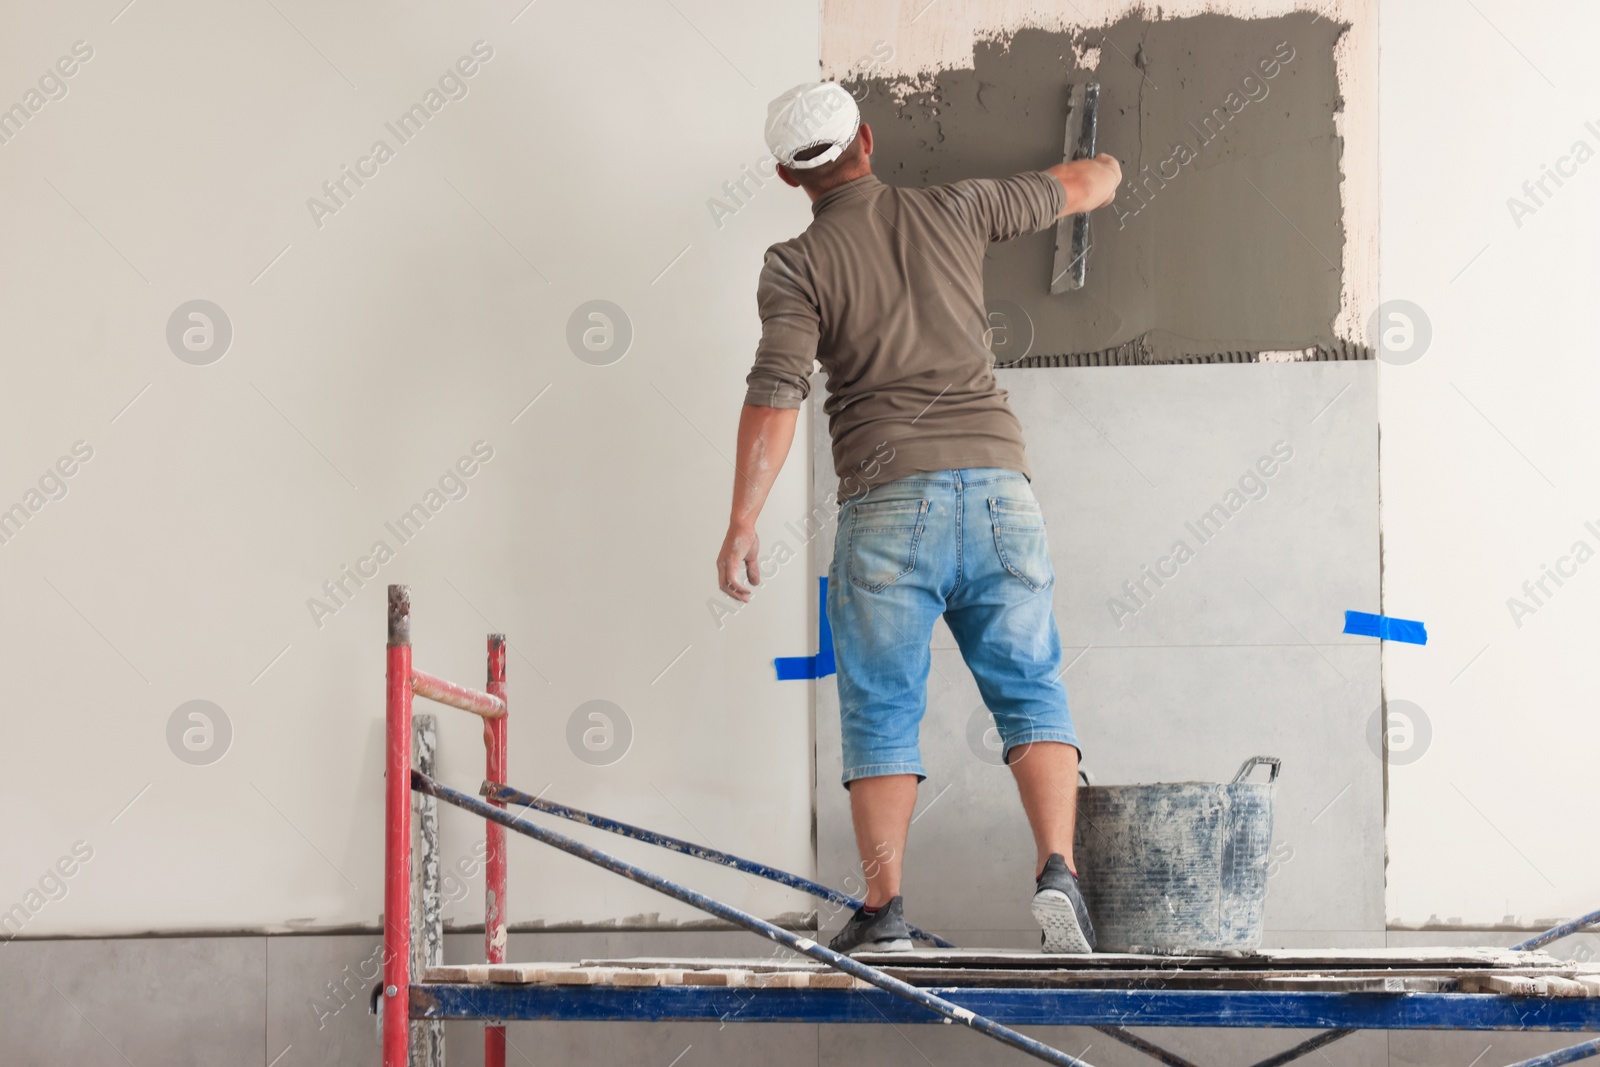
(178, 565)
(1488, 447)
(368, 354)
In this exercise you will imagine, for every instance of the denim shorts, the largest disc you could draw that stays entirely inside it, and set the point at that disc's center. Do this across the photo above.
(966, 544)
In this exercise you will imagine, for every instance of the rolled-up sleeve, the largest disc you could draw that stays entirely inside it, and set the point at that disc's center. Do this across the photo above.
(790, 326)
(1004, 208)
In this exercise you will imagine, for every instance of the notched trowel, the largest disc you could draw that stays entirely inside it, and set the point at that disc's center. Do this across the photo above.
(1071, 266)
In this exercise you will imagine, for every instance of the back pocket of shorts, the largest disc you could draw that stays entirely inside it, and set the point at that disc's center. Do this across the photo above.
(883, 541)
(1020, 539)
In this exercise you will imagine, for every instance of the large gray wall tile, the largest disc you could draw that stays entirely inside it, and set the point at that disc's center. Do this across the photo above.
(1240, 654)
(177, 1002)
(317, 999)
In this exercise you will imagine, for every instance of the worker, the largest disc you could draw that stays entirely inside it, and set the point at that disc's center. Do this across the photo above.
(936, 511)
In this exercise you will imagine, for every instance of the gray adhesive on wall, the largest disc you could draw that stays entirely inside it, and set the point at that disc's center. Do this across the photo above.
(1227, 234)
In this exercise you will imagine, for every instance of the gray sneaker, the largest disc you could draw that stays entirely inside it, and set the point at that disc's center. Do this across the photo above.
(1059, 909)
(883, 931)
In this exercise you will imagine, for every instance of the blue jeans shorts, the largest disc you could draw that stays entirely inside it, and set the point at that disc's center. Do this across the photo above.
(966, 544)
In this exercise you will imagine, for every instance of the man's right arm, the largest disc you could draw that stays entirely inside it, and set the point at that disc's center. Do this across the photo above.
(1089, 183)
(765, 434)
(777, 385)
(1030, 202)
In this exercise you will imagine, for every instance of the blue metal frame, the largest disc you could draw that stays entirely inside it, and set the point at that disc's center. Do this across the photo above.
(985, 1009)
(1015, 1007)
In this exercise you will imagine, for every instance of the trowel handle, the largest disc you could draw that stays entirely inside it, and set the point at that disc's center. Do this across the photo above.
(1083, 776)
(1250, 764)
(1084, 149)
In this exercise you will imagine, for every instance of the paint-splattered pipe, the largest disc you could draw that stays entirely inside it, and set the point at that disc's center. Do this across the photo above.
(1566, 1055)
(804, 945)
(1556, 933)
(486, 705)
(505, 794)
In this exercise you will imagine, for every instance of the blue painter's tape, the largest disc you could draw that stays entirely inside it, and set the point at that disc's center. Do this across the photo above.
(792, 667)
(1384, 628)
(821, 665)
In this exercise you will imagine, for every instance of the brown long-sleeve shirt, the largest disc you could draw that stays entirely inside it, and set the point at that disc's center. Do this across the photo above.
(885, 289)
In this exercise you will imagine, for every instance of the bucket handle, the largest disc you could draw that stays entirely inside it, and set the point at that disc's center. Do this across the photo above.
(1250, 764)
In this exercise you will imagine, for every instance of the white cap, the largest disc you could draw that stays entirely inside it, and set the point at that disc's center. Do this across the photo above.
(809, 115)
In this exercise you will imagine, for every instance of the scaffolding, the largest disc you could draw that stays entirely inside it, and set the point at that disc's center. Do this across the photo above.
(1336, 991)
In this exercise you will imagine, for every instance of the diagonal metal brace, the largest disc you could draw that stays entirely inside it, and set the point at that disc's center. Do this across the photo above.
(1571, 1054)
(1154, 1051)
(1310, 1044)
(1556, 933)
(505, 794)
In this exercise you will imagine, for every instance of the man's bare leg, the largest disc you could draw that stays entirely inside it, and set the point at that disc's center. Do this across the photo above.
(881, 809)
(1047, 778)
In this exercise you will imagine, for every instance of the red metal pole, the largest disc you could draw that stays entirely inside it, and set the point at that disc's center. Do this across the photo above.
(396, 998)
(494, 913)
